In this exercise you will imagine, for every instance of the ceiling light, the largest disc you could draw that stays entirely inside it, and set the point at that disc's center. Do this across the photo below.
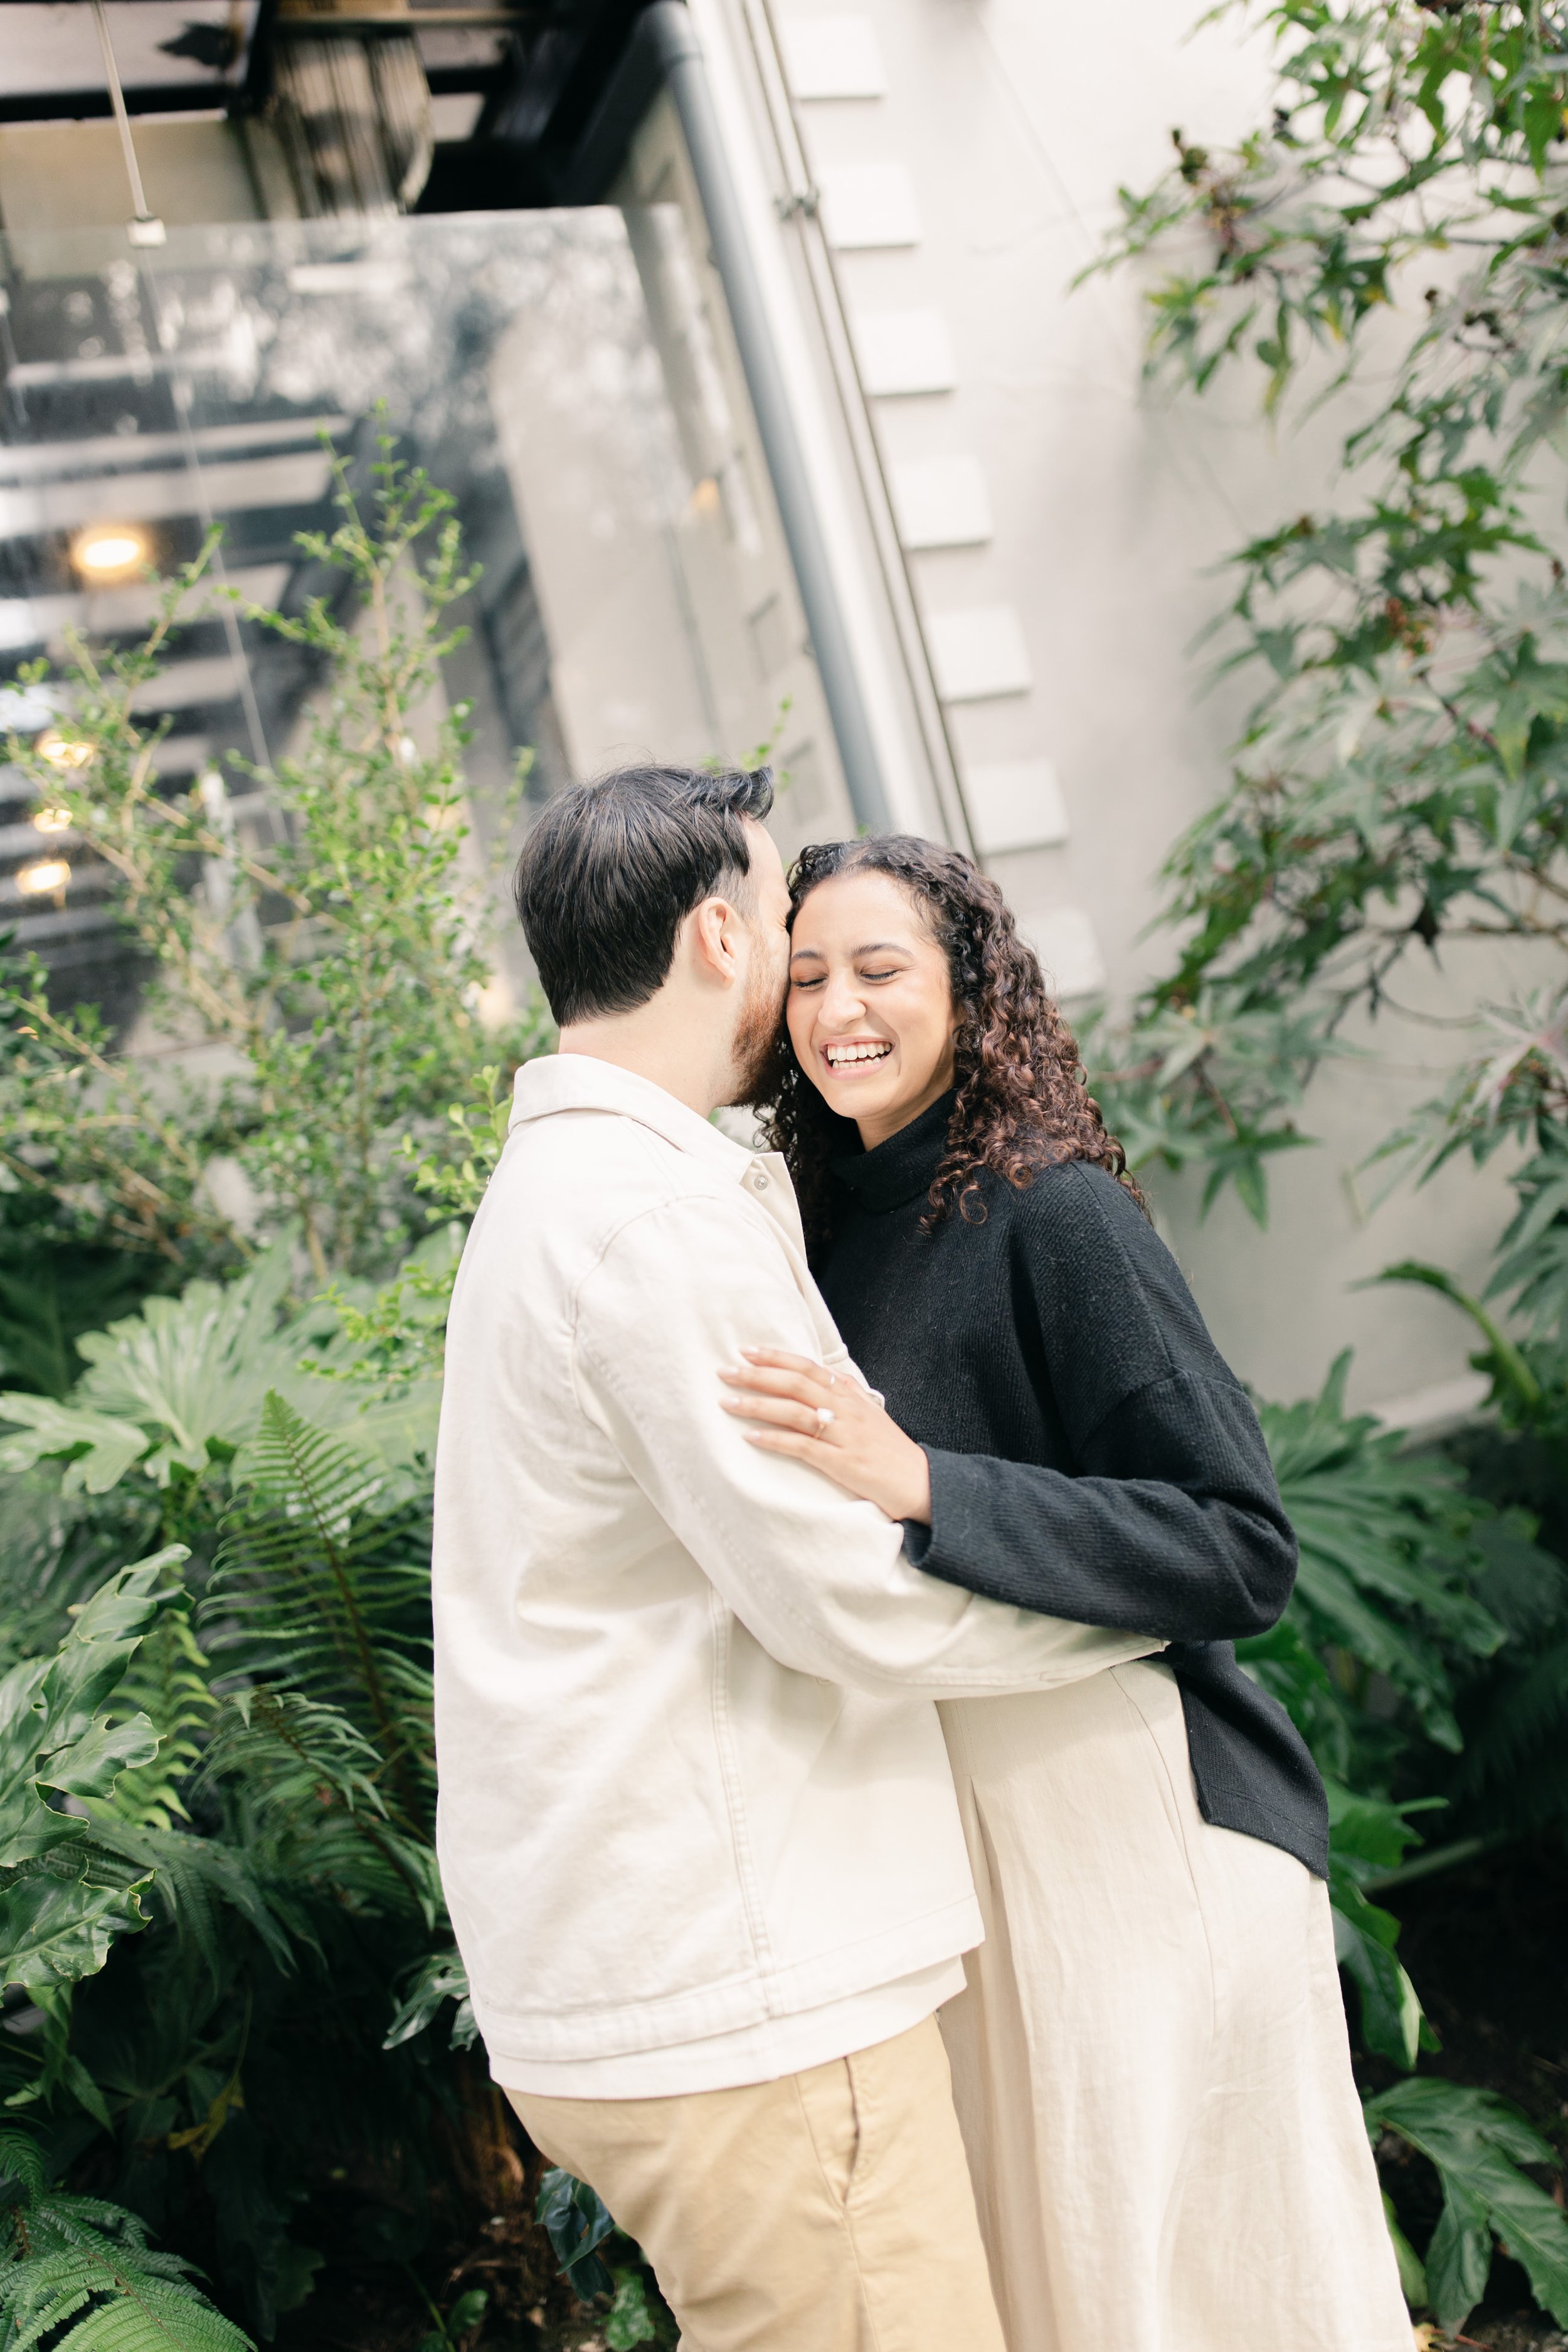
(60, 752)
(50, 874)
(109, 550)
(51, 820)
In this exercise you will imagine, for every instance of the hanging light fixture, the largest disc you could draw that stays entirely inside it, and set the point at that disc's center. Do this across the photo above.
(51, 820)
(62, 754)
(143, 228)
(47, 879)
(109, 550)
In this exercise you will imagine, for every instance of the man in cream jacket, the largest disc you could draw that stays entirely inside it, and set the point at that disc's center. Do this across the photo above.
(697, 1830)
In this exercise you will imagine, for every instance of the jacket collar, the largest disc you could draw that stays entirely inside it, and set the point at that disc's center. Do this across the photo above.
(903, 1167)
(558, 1082)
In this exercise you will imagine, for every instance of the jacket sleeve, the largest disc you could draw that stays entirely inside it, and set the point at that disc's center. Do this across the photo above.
(1173, 1519)
(818, 1578)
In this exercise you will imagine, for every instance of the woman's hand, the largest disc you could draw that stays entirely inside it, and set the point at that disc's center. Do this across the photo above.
(828, 1420)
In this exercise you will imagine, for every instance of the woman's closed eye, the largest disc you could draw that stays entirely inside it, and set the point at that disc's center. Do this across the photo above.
(803, 981)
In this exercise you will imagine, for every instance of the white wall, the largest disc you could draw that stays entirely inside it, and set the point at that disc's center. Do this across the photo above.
(968, 180)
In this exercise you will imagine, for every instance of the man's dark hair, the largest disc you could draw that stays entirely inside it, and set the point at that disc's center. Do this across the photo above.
(613, 868)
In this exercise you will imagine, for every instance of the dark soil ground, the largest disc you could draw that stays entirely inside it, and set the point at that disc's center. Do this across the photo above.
(365, 2303)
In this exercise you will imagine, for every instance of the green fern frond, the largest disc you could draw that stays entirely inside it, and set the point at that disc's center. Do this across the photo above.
(294, 1751)
(318, 1593)
(59, 2221)
(21, 2160)
(92, 2300)
(79, 2274)
(191, 1876)
(309, 1779)
(168, 1680)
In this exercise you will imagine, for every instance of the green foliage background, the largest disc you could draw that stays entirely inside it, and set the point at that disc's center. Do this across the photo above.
(1391, 247)
(234, 2016)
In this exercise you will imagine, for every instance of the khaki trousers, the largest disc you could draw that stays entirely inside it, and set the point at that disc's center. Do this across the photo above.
(828, 2212)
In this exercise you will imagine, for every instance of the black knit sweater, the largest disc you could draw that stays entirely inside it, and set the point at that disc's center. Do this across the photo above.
(1092, 1456)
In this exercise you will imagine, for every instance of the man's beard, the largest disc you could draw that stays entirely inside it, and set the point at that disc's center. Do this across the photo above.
(759, 1041)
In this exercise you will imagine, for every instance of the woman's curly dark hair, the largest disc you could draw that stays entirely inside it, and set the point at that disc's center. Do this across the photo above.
(1021, 1103)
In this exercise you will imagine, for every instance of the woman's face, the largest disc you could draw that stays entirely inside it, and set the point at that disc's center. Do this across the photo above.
(870, 1005)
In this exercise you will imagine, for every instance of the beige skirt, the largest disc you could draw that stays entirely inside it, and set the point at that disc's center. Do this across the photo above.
(1149, 2061)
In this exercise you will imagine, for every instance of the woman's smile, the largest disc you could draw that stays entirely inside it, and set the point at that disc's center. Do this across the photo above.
(855, 1054)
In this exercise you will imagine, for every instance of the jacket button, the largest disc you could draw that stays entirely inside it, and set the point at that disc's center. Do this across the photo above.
(759, 1181)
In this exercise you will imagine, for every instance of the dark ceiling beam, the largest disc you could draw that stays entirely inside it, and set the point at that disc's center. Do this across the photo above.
(557, 76)
(258, 85)
(559, 100)
(555, 126)
(88, 105)
(459, 81)
(620, 102)
(415, 20)
(478, 75)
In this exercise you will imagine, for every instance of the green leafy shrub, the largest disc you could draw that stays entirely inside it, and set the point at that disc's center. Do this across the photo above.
(65, 1894)
(1401, 780)
(261, 1869)
(1478, 2145)
(345, 967)
(80, 2276)
(602, 2263)
(1389, 1614)
(1389, 1561)
(74, 2270)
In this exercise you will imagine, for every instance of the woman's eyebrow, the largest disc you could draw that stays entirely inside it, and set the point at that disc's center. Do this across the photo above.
(871, 947)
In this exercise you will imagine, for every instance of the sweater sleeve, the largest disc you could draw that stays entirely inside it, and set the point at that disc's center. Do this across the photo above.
(819, 1578)
(1172, 1519)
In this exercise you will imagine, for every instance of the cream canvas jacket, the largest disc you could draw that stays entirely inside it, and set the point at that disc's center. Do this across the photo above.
(691, 1775)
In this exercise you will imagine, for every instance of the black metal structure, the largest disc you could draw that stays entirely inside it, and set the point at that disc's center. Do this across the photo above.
(542, 71)
(558, 85)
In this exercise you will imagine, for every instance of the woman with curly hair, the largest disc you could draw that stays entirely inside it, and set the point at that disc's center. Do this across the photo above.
(1150, 2058)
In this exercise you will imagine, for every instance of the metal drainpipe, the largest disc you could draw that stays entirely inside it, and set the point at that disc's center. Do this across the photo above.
(680, 53)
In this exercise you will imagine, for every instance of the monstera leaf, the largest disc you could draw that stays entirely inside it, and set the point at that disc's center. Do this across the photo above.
(1387, 1550)
(186, 1379)
(1368, 1837)
(1478, 2144)
(100, 1449)
(194, 1368)
(63, 1897)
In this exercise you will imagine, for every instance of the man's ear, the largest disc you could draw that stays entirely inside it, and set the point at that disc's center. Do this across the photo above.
(712, 938)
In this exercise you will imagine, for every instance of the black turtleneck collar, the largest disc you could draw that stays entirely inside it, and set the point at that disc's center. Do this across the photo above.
(903, 1167)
